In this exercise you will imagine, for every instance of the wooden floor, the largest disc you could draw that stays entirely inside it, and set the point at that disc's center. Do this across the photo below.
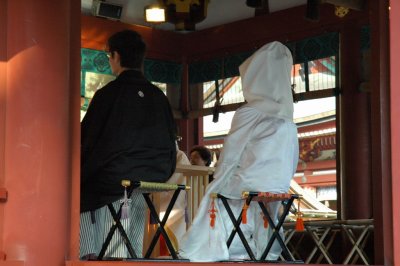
(164, 263)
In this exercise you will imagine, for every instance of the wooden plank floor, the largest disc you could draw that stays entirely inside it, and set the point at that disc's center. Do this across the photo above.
(164, 263)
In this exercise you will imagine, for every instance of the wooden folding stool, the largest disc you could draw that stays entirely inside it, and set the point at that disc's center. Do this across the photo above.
(145, 188)
(262, 198)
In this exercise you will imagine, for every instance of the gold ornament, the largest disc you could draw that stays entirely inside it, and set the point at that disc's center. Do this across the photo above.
(341, 11)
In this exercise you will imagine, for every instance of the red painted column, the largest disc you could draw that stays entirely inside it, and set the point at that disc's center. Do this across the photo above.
(74, 127)
(186, 125)
(380, 132)
(42, 51)
(355, 149)
(395, 125)
(3, 83)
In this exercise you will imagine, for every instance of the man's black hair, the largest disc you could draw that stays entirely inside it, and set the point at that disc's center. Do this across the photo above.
(130, 46)
(204, 153)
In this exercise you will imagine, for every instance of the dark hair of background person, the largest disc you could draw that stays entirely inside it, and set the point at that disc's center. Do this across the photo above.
(204, 153)
(130, 46)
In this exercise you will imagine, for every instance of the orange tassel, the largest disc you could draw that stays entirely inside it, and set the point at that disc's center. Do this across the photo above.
(212, 220)
(299, 224)
(244, 213)
(265, 222)
(212, 212)
(299, 221)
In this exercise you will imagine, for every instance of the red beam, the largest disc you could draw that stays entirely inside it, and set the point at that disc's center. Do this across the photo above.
(249, 34)
(162, 45)
(317, 165)
(319, 126)
(317, 180)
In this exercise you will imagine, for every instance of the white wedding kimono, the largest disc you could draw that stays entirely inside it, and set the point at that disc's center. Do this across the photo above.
(260, 154)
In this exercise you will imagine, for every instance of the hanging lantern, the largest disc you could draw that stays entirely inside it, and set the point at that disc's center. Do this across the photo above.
(185, 14)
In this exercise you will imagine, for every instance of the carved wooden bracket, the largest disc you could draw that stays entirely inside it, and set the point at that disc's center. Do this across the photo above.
(3, 196)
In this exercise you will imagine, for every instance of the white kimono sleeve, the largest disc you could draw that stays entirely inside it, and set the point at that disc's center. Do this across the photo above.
(243, 123)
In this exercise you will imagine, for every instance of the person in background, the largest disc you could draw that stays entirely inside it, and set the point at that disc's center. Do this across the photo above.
(200, 155)
(260, 154)
(128, 132)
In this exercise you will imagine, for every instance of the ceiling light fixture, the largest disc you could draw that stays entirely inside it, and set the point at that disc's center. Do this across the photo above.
(185, 14)
(154, 14)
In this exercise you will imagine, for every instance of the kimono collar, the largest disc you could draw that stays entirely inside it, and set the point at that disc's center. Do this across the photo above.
(130, 73)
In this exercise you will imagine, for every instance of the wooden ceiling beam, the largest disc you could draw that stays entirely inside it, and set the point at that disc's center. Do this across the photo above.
(250, 34)
(352, 4)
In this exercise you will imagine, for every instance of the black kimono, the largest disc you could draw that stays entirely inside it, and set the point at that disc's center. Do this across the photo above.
(128, 133)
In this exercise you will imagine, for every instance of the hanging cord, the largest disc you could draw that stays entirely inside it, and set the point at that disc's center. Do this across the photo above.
(217, 106)
(125, 209)
(293, 86)
(299, 220)
(218, 100)
(244, 212)
(212, 211)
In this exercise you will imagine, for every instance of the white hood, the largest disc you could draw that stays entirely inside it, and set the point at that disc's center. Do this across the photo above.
(266, 81)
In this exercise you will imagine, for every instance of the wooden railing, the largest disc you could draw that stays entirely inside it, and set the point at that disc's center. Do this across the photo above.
(332, 242)
(197, 177)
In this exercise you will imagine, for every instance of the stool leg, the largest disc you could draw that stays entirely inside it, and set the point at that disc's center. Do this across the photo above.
(236, 228)
(237, 222)
(160, 229)
(121, 229)
(275, 228)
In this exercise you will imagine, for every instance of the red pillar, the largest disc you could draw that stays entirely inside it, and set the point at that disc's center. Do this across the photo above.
(74, 127)
(380, 132)
(3, 83)
(395, 127)
(355, 149)
(42, 64)
(187, 129)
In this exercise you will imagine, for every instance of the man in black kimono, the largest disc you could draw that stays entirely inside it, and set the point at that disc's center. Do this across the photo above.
(127, 133)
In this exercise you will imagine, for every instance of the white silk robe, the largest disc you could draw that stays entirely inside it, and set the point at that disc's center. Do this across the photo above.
(260, 154)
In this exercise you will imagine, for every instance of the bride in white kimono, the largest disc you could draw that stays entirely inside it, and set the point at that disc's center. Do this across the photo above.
(260, 154)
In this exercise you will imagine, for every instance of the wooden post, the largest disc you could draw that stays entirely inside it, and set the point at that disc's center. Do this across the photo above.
(380, 132)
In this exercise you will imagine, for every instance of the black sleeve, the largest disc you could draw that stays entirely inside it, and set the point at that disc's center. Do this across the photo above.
(93, 125)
